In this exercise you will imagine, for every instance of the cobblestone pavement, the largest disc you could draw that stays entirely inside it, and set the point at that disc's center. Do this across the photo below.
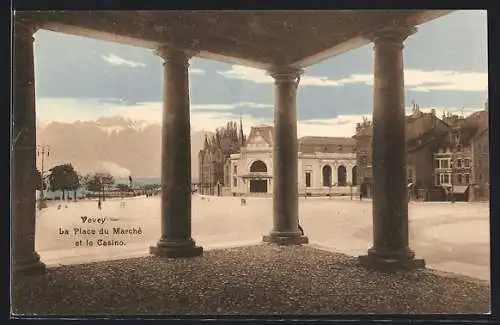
(251, 280)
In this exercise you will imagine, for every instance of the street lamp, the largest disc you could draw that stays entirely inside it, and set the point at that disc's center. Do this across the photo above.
(101, 192)
(42, 150)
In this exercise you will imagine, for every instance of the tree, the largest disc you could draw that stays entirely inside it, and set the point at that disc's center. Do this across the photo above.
(99, 182)
(226, 141)
(122, 188)
(63, 178)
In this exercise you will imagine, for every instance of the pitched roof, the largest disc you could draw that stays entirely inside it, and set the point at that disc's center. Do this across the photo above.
(314, 141)
(265, 131)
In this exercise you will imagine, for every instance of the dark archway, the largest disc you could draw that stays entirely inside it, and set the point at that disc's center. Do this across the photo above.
(327, 175)
(354, 175)
(258, 166)
(342, 175)
(258, 185)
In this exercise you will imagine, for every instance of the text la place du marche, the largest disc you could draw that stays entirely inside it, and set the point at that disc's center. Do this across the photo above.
(97, 231)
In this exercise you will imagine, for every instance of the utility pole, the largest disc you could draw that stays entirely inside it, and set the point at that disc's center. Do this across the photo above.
(42, 150)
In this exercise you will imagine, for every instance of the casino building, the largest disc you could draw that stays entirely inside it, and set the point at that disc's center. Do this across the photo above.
(326, 165)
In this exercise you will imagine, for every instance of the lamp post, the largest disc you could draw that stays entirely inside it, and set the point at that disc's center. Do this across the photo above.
(42, 150)
(101, 192)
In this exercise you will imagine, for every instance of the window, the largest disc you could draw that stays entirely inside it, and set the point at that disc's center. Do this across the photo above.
(438, 179)
(444, 163)
(459, 163)
(467, 162)
(235, 169)
(235, 182)
(446, 178)
(436, 163)
(459, 179)
(327, 175)
(308, 179)
(467, 179)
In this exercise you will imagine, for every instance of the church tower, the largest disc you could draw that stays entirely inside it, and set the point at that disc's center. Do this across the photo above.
(241, 135)
(205, 145)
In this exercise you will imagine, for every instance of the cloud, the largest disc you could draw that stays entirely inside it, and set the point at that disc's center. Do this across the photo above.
(415, 80)
(111, 168)
(70, 109)
(196, 71)
(116, 60)
(426, 81)
(223, 107)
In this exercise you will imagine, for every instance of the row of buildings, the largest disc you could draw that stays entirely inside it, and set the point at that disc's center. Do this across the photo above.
(447, 159)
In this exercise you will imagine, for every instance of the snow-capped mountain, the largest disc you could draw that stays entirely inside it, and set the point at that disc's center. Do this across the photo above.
(118, 123)
(116, 142)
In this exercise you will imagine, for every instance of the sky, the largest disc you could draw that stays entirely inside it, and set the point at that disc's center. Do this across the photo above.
(80, 78)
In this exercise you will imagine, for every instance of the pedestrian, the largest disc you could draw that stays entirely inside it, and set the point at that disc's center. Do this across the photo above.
(99, 205)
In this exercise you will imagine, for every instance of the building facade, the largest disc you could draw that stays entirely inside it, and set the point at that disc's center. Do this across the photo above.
(326, 165)
(447, 158)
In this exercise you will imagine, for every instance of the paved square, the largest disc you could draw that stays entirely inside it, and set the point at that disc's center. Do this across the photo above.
(450, 237)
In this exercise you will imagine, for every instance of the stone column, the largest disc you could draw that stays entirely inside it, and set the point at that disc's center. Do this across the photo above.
(285, 160)
(25, 260)
(390, 249)
(176, 238)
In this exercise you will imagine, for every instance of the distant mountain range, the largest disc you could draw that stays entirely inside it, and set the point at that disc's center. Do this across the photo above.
(115, 144)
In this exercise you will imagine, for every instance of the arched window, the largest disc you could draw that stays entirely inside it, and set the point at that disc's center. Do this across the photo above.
(327, 175)
(258, 166)
(354, 175)
(342, 175)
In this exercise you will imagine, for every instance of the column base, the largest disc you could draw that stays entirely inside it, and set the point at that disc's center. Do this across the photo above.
(373, 262)
(28, 265)
(285, 238)
(176, 249)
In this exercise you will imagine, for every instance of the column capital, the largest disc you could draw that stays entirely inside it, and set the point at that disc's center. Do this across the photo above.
(394, 34)
(284, 74)
(170, 52)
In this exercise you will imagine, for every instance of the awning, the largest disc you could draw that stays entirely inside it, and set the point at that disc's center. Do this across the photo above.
(460, 189)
